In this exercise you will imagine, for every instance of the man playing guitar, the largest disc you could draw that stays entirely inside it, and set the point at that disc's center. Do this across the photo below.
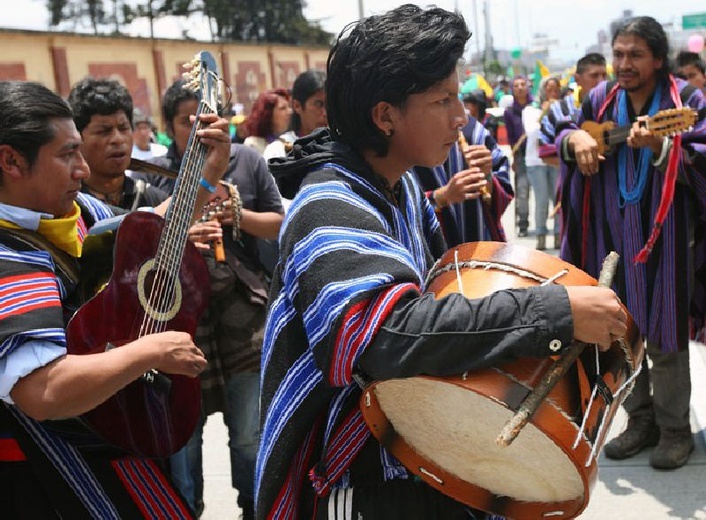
(43, 219)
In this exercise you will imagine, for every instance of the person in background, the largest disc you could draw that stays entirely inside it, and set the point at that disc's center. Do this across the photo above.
(692, 68)
(143, 139)
(308, 111)
(517, 139)
(268, 119)
(471, 190)
(590, 71)
(646, 201)
(347, 302)
(502, 90)
(43, 219)
(542, 177)
(230, 332)
(103, 114)
(476, 103)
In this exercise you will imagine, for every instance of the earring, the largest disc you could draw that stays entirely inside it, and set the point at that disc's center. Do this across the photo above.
(390, 132)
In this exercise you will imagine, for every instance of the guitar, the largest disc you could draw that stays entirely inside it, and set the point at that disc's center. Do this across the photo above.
(159, 282)
(668, 122)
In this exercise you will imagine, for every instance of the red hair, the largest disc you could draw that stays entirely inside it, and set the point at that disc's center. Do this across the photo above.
(259, 122)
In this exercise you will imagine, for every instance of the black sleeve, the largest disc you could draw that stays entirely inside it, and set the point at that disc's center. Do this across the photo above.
(454, 334)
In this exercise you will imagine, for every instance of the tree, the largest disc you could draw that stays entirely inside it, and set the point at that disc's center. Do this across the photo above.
(77, 11)
(276, 21)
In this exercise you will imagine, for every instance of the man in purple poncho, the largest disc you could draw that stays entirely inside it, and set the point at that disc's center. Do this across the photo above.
(647, 201)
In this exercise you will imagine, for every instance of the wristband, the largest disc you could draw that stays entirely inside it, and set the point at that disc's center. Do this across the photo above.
(207, 185)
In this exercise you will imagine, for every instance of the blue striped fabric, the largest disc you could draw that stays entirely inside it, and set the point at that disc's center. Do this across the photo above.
(345, 251)
(561, 111)
(470, 221)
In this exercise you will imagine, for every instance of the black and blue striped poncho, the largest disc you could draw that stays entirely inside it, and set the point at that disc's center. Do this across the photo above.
(352, 261)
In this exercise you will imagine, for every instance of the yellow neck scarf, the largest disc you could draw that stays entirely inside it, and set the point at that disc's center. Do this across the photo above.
(577, 97)
(66, 233)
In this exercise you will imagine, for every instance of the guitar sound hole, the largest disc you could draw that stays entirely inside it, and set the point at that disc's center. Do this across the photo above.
(161, 288)
(160, 294)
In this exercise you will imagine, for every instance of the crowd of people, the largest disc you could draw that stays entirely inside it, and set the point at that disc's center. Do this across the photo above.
(315, 225)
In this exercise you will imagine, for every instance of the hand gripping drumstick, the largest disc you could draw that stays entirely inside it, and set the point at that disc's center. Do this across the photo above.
(534, 399)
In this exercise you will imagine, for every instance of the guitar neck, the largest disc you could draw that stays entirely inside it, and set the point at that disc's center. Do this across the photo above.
(181, 209)
(617, 135)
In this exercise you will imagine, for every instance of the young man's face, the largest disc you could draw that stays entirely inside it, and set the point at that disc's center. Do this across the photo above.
(591, 76)
(694, 76)
(181, 124)
(312, 113)
(634, 64)
(52, 183)
(107, 144)
(427, 126)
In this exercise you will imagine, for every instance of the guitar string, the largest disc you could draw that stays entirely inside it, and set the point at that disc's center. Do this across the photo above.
(170, 251)
(176, 236)
(174, 241)
(167, 263)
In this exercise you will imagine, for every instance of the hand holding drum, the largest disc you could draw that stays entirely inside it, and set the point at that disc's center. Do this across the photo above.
(598, 318)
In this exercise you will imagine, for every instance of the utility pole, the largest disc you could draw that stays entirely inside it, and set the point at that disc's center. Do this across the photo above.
(475, 23)
(360, 8)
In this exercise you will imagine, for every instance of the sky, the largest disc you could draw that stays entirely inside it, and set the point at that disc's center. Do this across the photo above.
(572, 24)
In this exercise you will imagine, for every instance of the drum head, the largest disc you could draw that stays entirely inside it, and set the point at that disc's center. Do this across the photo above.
(532, 469)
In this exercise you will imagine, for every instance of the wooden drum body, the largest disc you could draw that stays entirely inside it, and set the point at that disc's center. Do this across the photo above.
(444, 429)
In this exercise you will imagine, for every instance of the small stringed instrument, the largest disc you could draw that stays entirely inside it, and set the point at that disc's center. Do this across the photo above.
(665, 123)
(159, 282)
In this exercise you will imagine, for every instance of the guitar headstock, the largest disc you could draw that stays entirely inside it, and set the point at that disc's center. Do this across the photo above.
(673, 121)
(202, 76)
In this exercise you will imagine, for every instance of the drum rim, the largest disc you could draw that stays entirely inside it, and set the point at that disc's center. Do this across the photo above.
(483, 499)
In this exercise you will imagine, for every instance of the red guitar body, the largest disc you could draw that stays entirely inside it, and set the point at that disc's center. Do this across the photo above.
(146, 419)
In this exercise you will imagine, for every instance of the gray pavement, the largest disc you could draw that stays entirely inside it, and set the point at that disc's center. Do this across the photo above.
(628, 489)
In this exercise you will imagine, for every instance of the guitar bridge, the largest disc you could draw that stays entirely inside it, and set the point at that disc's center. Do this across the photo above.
(159, 382)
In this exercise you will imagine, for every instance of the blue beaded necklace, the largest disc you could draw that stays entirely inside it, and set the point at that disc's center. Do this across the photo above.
(634, 195)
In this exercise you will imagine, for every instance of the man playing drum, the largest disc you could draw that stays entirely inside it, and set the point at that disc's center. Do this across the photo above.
(348, 295)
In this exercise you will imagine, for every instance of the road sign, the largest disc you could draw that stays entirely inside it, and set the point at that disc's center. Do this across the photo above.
(693, 21)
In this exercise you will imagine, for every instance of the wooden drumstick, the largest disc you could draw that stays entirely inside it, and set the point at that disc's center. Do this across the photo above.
(484, 191)
(534, 399)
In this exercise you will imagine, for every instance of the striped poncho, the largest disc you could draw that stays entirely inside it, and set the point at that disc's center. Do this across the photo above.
(471, 220)
(348, 297)
(38, 295)
(666, 295)
(351, 270)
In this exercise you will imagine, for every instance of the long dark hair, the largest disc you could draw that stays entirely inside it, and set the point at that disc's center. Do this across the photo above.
(653, 33)
(306, 85)
(386, 58)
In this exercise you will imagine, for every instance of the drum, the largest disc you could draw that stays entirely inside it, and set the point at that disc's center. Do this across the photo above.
(444, 430)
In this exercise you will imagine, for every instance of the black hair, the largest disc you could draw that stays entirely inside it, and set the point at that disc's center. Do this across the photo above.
(306, 85)
(652, 32)
(173, 97)
(387, 57)
(26, 113)
(685, 58)
(593, 58)
(477, 97)
(101, 96)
